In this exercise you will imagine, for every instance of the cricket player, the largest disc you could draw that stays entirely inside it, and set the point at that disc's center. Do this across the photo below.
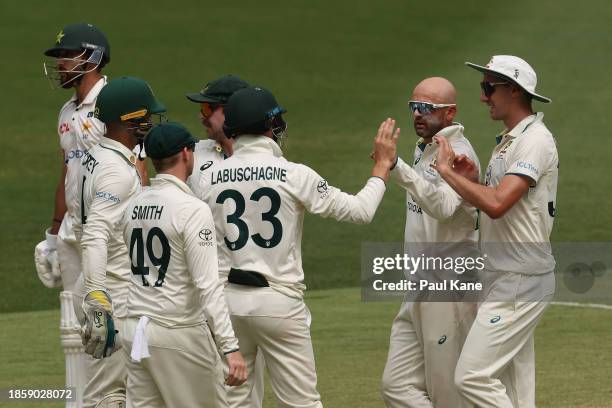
(258, 200)
(427, 336)
(108, 180)
(79, 53)
(497, 363)
(175, 288)
(212, 99)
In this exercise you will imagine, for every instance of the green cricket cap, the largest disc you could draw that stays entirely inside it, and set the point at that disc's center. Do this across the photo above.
(126, 98)
(219, 90)
(167, 139)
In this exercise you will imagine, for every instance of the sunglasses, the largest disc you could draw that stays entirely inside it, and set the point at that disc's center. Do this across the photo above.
(208, 109)
(488, 88)
(425, 108)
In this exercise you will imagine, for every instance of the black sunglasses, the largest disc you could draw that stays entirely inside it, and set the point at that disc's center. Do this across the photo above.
(488, 88)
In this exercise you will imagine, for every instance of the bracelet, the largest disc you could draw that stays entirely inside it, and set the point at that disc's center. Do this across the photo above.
(231, 351)
(57, 220)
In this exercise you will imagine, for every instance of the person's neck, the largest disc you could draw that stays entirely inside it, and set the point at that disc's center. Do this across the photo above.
(180, 172)
(88, 81)
(227, 145)
(516, 117)
(123, 138)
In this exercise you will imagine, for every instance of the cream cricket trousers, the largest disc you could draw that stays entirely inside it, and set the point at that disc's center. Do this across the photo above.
(277, 326)
(425, 344)
(76, 361)
(251, 394)
(184, 370)
(497, 364)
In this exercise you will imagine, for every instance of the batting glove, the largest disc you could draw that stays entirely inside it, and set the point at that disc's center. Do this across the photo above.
(46, 262)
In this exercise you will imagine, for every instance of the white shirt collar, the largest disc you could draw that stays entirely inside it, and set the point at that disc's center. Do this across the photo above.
(162, 178)
(256, 144)
(120, 148)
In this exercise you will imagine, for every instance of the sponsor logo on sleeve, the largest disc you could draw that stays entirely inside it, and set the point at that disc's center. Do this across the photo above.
(527, 166)
(206, 237)
(323, 188)
(103, 195)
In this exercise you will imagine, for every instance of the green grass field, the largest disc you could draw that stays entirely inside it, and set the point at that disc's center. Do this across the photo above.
(350, 339)
(339, 68)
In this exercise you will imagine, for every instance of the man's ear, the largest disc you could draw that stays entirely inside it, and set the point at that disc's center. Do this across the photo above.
(452, 112)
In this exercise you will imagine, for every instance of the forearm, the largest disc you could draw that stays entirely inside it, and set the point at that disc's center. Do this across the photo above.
(482, 197)
(217, 314)
(359, 208)
(60, 207)
(382, 169)
(438, 201)
(94, 244)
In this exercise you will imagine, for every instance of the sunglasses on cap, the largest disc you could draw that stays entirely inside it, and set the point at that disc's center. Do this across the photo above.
(488, 88)
(207, 109)
(425, 108)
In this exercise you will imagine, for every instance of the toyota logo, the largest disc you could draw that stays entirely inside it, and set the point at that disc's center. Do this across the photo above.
(205, 234)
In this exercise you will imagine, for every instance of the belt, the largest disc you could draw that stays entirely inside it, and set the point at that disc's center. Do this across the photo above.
(247, 278)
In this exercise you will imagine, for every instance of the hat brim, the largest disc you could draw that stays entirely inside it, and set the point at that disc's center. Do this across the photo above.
(486, 70)
(158, 107)
(199, 98)
(54, 51)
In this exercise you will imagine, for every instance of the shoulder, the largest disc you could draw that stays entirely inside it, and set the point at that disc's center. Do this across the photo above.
(537, 136)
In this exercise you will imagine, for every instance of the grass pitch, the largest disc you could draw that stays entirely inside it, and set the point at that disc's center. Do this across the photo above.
(339, 68)
(351, 340)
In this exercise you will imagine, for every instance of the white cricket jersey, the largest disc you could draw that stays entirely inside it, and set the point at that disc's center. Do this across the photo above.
(528, 150)
(108, 180)
(258, 199)
(78, 132)
(435, 213)
(206, 153)
(173, 250)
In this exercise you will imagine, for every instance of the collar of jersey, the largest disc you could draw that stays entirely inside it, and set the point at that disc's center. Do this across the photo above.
(163, 178)
(450, 132)
(120, 148)
(93, 93)
(246, 144)
(522, 126)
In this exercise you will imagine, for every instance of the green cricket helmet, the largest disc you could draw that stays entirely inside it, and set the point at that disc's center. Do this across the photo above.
(81, 36)
(253, 110)
(127, 99)
(90, 46)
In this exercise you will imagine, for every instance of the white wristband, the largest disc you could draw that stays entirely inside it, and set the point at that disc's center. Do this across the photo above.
(51, 240)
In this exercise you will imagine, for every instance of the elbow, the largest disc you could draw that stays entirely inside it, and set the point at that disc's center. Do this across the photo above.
(495, 212)
(364, 217)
